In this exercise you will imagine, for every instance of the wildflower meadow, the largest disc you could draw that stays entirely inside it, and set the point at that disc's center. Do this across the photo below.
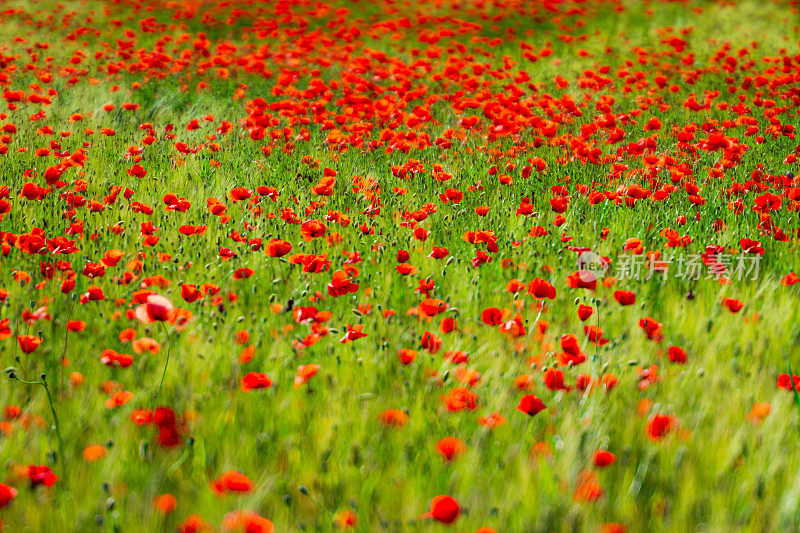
(402, 265)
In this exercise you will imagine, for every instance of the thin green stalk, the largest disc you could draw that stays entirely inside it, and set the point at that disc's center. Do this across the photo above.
(596, 359)
(535, 320)
(43, 383)
(166, 363)
(66, 333)
(58, 426)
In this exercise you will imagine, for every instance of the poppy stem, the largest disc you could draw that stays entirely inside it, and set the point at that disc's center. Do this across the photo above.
(791, 380)
(17, 317)
(597, 358)
(57, 425)
(13, 376)
(166, 363)
(43, 383)
(66, 334)
(535, 320)
(27, 331)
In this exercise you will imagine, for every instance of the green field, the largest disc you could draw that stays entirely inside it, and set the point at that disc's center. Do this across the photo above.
(304, 266)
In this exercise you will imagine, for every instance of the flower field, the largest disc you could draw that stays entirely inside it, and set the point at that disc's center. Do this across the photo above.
(481, 266)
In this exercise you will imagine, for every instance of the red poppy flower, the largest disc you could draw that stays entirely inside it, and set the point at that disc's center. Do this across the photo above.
(425, 287)
(190, 293)
(459, 399)
(118, 398)
(232, 481)
(587, 490)
(733, 305)
(676, 354)
(603, 458)
(29, 343)
(165, 503)
(394, 417)
(406, 356)
(785, 383)
(531, 405)
(659, 425)
(569, 343)
(305, 373)
(539, 289)
(790, 279)
(651, 327)
(76, 325)
(450, 448)
(582, 279)
(595, 334)
(406, 269)
(155, 309)
(625, 297)
(439, 253)
(353, 333)
(7, 494)
(345, 519)
(524, 382)
(277, 248)
(341, 284)
(447, 325)
(492, 316)
(583, 381)
(41, 475)
(584, 312)
(242, 273)
(430, 307)
(430, 342)
(247, 522)
(193, 524)
(256, 380)
(111, 358)
(554, 380)
(750, 246)
(444, 509)
(492, 421)
(312, 229)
